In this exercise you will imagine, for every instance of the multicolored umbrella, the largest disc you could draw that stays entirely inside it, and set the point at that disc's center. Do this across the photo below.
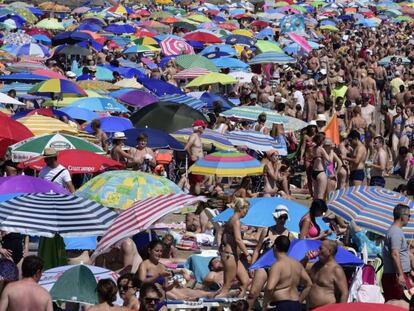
(63, 87)
(34, 146)
(173, 46)
(32, 49)
(120, 189)
(212, 78)
(257, 141)
(141, 215)
(227, 164)
(271, 57)
(369, 207)
(209, 138)
(191, 73)
(52, 213)
(40, 125)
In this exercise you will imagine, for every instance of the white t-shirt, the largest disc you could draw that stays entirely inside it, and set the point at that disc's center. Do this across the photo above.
(299, 98)
(48, 173)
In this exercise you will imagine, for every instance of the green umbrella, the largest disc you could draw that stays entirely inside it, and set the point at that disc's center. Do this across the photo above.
(34, 146)
(281, 3)
(404, 18)
(52, 251)
(51, 24)
(268, 46)
(77, 284)
(299, 8)
(316, 4)
(185, 25)
(27, 15)
(160, 15)
(190, 61)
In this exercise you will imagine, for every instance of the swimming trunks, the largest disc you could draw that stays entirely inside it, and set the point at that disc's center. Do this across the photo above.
(357, 175)
(377, 181)
(285, 305)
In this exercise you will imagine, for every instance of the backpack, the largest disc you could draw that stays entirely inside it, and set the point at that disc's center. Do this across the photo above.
(364, 287)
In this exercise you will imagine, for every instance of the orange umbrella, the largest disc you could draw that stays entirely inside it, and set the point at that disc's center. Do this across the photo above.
(52, 6)
(94, 35)
(170, 20)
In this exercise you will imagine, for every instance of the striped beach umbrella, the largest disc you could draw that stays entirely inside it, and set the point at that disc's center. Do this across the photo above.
(257, 141)
(120, 189)
(63, 87)
(184, 99)
(32, 49)
(209, 138)
(40, 125)
(370, 207)
(141, 215)
(174, 46)
(227, 164)
(48, 214)
(34, 146)
(271, 57)
(191, 73)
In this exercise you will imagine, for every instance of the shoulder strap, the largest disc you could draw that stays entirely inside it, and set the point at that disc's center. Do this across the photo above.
(57, 175)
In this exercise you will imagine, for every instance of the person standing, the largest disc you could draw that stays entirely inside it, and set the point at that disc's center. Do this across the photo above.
(194, 148)
(396, 257)
(55, 172)
(286, 274)
(357, 159)
(379, 163)
(26, 294)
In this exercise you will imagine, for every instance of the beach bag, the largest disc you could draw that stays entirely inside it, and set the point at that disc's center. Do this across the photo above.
(365, 287)
(188, 243)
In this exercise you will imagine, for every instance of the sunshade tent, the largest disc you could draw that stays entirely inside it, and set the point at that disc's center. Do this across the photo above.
(212, 78)
(209, 138)
(77, 162)
(166, 116)
(120, 189)
(78, 284)
(369, 207)
(39, 125)
(63, 87)
(34, 146)
(227, 164)
(156, 139)
(28, 184)
(189, 61)
(142, 215)
(52, 213)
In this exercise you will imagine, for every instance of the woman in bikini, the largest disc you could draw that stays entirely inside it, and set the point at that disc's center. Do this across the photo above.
(320, 157)
(266, 241)
(306, 153)
(333, 165)
(398, 122)
(309, 229)
(232, 247)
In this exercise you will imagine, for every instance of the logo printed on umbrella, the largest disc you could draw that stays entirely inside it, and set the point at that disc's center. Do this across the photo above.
(60, 145)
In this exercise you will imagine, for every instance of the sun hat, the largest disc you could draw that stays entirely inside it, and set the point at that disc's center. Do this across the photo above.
(321, 117)
(280, 210)
(49, 153)
(119, 135)
(70, 74)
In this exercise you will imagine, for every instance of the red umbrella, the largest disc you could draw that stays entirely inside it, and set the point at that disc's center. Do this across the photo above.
(144, 33)
(201, 36)
(11, 132)
(359, 306)
(174, 46)
(77, 162)
(260, 24)
(37, 31)
(228, 26)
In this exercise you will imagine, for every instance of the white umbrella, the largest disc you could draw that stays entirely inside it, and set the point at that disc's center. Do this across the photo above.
(6, 99)
(242, 76)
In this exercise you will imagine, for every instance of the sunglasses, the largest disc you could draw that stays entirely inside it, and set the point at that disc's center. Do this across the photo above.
(152, 300)
(125, 287)
(283, 217)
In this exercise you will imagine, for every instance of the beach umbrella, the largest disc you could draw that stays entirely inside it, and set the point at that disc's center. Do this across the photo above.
(71, 37)
(387, 60)
(227, 164)
(39, 125)
(77, 284)
(72, 50)
(6, 99)
(137, 98)
(32, 49)
(271, 57)
(120, 189)
(96, 85)
(268, 46)
(298, 249)
(209, 138)
(27, 184)
(53, 213)
(190, 61)
(27, 15)
(156, 139)
(190, 73)
(166, 116)
(77, 162)
(329, 28)
(50, 24)
(101, 104)
(159, 87)
(23, 77)
(257, 141)
(369, 207)
(183, 99)
(63, 87)
(136, 49)
(53, 6)
(239, 39)
(120, 28)
(11, 133)
(359, 306)
(112, 125)
(80, 113)
(34, 146)
(48, 73)
(230, 62)
(221, 48)
(202, 36)
(141, 215)
(212, 78)
(173, 46)
(304, 44)
(242, 77)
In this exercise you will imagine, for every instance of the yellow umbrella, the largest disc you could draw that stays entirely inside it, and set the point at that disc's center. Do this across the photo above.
(163, 2)
(212, 78)
(199, 18)
(243, 32)
(126, 83)
(329, 28)
(40, 125)
(97, 85)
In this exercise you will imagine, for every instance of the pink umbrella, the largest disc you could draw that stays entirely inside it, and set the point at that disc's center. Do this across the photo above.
(174, 46)
(190, 73)
(49, 74)
(301, 41)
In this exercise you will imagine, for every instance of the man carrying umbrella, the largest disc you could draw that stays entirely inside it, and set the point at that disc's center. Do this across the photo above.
(55, 172)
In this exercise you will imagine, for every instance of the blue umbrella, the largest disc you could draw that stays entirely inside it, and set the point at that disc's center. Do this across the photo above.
(124, 71)
(239, 39)
(42, 39)
(78, 243)
(94, 44)
(159, 87)
(99, 104)
(112, 125)
(18, 87)
(120, 28)
(36, 11)
(184, 99)
(157, 139)
(270, 57)
(230, 62)
(19, 21)
(265, 33)
(298, 249)
(210, 98)
(5, 197)
(23, 77)
(71, 37)
(80, 113)
(90, 27)
(117, 93)
(195, 44)
(23, 113)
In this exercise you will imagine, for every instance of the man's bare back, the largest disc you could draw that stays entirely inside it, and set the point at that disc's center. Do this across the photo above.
(25, 295)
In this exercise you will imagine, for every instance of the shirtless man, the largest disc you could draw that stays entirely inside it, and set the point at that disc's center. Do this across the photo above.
(194, 148)
(285, 275)
(379, 163)
(357, 159)
(369, 86)
(357, 121)
(144, 157)
(328, 278)
(313, 62)
(380, 78)
(26, 294)
(215, 278)
(260, 126)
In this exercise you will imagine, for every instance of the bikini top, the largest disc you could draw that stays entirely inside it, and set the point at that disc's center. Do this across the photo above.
(313, 231)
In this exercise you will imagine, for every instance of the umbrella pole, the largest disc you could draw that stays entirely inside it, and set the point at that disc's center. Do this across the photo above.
(186, 165)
